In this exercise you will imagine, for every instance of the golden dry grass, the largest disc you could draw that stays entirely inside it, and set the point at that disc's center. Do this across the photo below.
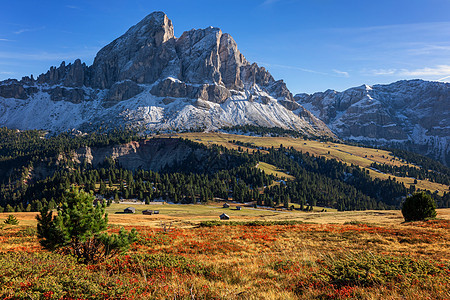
(272, 170)
(260, 262)
(191, 215)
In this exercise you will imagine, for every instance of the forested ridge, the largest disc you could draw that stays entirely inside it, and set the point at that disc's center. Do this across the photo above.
(415, 172)
(318, 181)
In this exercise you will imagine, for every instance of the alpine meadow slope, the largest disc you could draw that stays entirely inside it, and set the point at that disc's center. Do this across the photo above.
(151, 80)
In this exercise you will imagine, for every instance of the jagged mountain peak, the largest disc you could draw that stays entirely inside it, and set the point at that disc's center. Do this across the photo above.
(366, 87)
(140, 55)
(156, 26)
(151, 79)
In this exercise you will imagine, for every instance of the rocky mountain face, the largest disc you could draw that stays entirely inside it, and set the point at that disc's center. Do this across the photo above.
(153, 154)
(412, 114)
(150, 79)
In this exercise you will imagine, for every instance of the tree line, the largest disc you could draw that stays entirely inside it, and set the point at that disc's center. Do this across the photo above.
(417, 173)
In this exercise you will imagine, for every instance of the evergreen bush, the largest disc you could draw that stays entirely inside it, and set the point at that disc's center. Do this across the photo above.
(418, 207)
(79, 227)
(11, 220)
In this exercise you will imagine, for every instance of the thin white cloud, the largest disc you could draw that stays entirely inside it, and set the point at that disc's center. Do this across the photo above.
(440, 70)
(292, 68)
(5, 40)
(430, 27)
(332, 73)
(269, 2)
(429, 48)
(427, 72)
(29, 30)
(341, 73)
(443, 79)
(381, 72)
(73, 7)
(46, 56)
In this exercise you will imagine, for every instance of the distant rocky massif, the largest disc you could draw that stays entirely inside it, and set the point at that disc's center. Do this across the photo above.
(409, 114)
(151, 80)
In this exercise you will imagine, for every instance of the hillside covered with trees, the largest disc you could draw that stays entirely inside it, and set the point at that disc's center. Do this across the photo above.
(36, 170)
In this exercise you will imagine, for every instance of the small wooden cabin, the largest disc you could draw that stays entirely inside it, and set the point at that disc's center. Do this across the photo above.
(129, 210)
(226, 205)
(224, 217)
(147, 212)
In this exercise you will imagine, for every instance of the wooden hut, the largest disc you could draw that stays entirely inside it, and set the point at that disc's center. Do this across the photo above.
(226, 205)
(224, 217)
(147, 212)
(129, 210)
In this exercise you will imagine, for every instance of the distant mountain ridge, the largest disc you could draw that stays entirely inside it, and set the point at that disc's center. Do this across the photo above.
(410, 114)
(150, 79)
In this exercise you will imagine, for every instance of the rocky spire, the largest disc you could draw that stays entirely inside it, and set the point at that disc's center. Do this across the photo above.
(141, 54)
(208, 55)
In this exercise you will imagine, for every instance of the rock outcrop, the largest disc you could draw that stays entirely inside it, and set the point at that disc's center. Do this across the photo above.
(120, 91)
(176, 89)
(15, 89)
(153, 154)
(72, 75)
(58, 93)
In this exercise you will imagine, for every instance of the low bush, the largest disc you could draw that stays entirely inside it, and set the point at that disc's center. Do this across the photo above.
(248, 223)
(418, 207)
(366, 269)
(11, 220)
(51, 275)
(26, 232)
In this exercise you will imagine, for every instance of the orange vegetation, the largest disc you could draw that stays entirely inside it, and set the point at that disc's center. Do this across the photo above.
(243, 261)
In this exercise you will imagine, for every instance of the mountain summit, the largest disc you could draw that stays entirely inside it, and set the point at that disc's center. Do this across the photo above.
(150, 79)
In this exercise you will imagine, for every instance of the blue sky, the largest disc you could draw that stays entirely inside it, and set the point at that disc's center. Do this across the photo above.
(313, 45)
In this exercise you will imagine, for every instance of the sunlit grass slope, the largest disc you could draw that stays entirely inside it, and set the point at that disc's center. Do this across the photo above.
(360, 156)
